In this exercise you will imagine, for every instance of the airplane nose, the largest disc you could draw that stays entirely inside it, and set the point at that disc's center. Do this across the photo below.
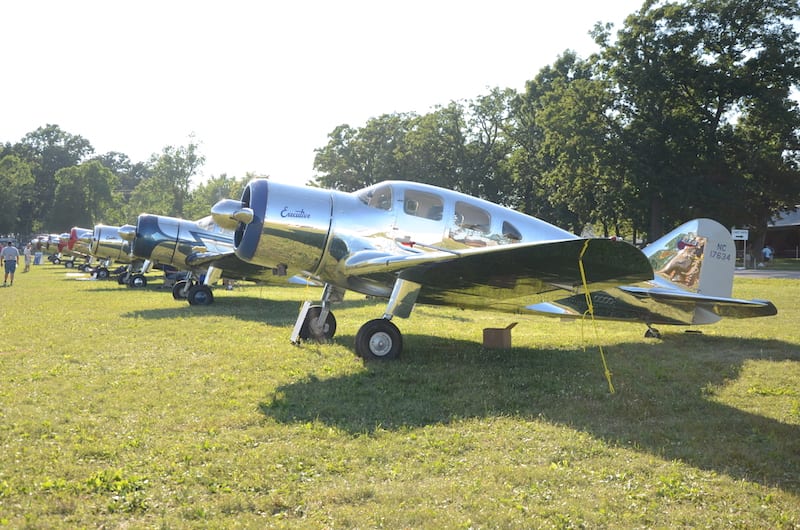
(229, 213)
(147, 236)
(127, 232)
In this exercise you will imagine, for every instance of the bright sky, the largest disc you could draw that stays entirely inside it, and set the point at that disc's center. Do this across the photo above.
(260, 84)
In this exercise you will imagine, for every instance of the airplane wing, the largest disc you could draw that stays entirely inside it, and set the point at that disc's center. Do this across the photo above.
(655, 305)
(507, 277)
(231, 266)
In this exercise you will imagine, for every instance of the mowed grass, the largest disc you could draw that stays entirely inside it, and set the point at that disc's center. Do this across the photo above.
(124, 408)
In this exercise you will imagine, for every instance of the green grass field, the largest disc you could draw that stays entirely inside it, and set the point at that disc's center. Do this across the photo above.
(124, 408)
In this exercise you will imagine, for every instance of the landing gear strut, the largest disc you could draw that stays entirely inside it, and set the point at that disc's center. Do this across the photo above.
(180, 291)
(318, 329)
(652, 333)
(316, 322)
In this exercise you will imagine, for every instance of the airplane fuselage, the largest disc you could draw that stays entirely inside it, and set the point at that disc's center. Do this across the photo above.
(313, 232)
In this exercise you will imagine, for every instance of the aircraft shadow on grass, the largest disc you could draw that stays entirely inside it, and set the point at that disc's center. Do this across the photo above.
(656, 409)
(241, 307)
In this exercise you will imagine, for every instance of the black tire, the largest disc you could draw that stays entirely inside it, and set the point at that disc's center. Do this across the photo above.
(122, 279)
(652, 333)
(180, 290)
(328, 329)
(69, 264)
(200, 294)
(102, 273)
(379, 340)
(137, 281)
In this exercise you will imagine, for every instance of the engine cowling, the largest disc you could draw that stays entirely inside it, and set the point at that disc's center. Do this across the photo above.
(108, 244)
(80, 240)
(289, 227)
(156, 238)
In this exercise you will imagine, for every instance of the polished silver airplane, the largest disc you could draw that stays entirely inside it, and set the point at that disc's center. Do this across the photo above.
(106, 244)
(201, 249)
(414, 243)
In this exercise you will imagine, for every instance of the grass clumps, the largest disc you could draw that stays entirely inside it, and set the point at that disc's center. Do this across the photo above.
(126, 408)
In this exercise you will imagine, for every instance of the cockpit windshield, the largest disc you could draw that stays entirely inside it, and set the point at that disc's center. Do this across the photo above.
(379, 196)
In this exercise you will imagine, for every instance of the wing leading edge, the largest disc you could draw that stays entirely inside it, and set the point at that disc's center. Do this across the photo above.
(507, 278)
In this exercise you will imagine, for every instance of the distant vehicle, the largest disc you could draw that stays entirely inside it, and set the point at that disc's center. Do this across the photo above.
(413, 243)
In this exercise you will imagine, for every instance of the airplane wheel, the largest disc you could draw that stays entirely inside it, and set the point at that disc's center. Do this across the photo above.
(328, 328)
(137, 281)
(200, 295)
(122, 279)
(102, 273)
(379, 339)
(180, 290)
(69, 264)
(652, 333)
(55, 261)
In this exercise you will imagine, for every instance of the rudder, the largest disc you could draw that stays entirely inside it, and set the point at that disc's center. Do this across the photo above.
(698, 256)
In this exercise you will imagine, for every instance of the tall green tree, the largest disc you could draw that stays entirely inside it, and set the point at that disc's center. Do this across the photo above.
(47, 150)
(688, 76)
(356, 158)
(166, 190)
(17, 184)
(82, 196)
(208, 193)
(584, 163)
(129, 173)
(435, 148)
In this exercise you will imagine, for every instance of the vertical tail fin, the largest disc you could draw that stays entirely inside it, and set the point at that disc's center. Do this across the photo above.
(698, 256)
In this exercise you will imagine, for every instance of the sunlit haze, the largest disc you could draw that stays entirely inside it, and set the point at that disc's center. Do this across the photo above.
(260, 85)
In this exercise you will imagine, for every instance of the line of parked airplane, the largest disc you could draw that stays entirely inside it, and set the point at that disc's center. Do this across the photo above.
(412, 243)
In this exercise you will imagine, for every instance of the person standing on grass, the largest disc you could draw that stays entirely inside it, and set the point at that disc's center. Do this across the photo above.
(10, 256)
(28, 257)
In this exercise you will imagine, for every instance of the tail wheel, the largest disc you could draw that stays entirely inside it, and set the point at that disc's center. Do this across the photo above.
(200, 294)
(379, 339)
(307, 330)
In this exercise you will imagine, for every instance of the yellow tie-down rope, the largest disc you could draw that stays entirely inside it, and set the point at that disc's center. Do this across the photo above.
(588, 296)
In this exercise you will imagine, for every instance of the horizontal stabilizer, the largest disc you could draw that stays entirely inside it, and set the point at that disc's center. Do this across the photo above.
(655, 305)
(721, 306)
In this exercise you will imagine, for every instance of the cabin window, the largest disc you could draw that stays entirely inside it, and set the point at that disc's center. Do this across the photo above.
(471, 217)
(379, 197)
(511, 233)
(422, 204)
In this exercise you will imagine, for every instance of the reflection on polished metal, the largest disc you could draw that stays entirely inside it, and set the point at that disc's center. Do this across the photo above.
(415, 243)
(229, 213)
(107, 243)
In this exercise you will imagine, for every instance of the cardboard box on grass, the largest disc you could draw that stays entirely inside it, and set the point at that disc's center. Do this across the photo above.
(498, 338)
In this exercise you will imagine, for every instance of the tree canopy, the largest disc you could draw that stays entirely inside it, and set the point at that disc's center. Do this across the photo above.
(688, 110)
